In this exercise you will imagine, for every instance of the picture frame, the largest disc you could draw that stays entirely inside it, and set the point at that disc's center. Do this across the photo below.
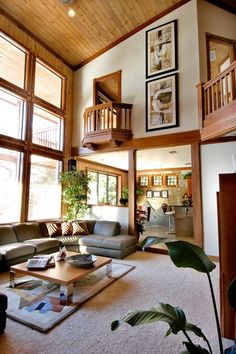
(157, 194)
(164, 194)
(149, 194)
(143, 181)
(161, 49)
(157, 181)
(162, 103)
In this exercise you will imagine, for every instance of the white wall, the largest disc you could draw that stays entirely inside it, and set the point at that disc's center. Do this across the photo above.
(129, 56)
(216, 159)
(109, 213)
(214, 20)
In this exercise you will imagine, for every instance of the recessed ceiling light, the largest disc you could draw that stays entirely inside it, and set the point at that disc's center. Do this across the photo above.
(71, 13)
(172, 152)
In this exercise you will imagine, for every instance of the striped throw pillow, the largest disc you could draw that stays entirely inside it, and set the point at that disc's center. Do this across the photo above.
(54, 229)
(66, 228)
(79, 228)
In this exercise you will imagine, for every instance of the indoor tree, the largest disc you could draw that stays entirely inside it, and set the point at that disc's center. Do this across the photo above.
(75, 190)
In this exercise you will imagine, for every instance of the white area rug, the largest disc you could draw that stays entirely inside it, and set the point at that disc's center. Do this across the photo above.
(88, 331)
(36, 303)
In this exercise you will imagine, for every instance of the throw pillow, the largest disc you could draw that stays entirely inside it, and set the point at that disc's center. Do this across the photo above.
(80, 228)
(66, 228)
(54, 229)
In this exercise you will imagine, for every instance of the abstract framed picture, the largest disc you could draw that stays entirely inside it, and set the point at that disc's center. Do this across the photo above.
(161, 49)
(149, 194)
(162, 103)
(156, 194)
(165, 194)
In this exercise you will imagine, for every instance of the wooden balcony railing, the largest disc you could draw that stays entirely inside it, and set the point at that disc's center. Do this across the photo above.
(217, 103)
(107, 122)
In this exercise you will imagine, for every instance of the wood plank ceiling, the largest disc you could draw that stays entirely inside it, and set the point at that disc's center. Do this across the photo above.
(97, 26)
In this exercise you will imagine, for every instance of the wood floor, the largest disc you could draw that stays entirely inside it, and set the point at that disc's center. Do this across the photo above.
(162, 231)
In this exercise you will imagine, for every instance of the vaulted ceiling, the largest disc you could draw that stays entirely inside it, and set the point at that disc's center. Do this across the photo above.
(97, 25)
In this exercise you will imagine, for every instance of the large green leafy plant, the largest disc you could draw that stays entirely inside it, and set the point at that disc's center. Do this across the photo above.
(75, 189)
(186, 255)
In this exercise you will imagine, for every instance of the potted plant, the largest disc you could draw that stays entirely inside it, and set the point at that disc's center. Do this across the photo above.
(75, 189)
(186, 255)
(188, 177)
(125, 194)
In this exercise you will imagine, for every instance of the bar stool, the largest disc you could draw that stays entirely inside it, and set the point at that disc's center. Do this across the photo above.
(171, 228)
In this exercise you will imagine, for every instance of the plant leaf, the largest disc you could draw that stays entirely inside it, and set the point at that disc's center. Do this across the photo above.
(232, 294)
(196, 330)
(195, 349)
(186, 255)
(152, 240)
(173, 316)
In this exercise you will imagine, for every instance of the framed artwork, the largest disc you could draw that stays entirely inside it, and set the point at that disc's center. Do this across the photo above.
(164, 194)
(172, 180)
(149, 194)
(157, 180)
(157, 194)
(161, 49)
(162, 103)
(143, 181)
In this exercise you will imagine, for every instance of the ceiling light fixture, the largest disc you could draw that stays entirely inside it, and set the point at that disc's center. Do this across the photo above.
(172, 152)
(71, 12)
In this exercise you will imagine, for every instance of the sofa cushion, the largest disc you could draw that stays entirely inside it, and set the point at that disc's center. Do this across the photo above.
(79, 228)
(66, 228)
(90, 225)
(16, 250)
(7, 235)
(26, 231)
(119, 242)
(43, 245)
(54, 229)
(69, 240)
(106, 228)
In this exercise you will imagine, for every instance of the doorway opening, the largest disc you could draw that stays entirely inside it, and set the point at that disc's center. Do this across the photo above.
(165, 206)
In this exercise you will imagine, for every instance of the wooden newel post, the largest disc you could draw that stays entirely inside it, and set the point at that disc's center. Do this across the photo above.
(200, 104)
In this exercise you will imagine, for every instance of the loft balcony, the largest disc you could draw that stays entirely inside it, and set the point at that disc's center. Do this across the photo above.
(107, 123)
(217, 104)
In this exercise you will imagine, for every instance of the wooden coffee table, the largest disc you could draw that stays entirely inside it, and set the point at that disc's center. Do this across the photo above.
(63, 274)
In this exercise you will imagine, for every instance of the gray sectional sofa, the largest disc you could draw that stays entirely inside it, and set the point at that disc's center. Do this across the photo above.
(19, 242)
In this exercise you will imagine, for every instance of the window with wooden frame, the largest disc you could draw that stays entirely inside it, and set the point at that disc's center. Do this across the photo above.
(32, 100)
(171, 180)
(103, 189)
(157, 180)
(143, 181)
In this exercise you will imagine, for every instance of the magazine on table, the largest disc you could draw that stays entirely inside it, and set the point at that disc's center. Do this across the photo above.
(41, 262)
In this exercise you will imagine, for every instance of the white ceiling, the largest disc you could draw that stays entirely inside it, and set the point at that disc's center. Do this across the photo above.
(149, 159)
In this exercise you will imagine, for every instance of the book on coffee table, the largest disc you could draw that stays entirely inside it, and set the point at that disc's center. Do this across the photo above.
(41, 262)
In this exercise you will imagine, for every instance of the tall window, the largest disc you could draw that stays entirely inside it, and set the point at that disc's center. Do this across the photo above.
(45, 190)
(103, 189)
(11, 163)
(13, 117)
(31, 135)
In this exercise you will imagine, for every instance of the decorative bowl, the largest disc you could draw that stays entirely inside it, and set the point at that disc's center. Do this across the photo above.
(81, 260)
